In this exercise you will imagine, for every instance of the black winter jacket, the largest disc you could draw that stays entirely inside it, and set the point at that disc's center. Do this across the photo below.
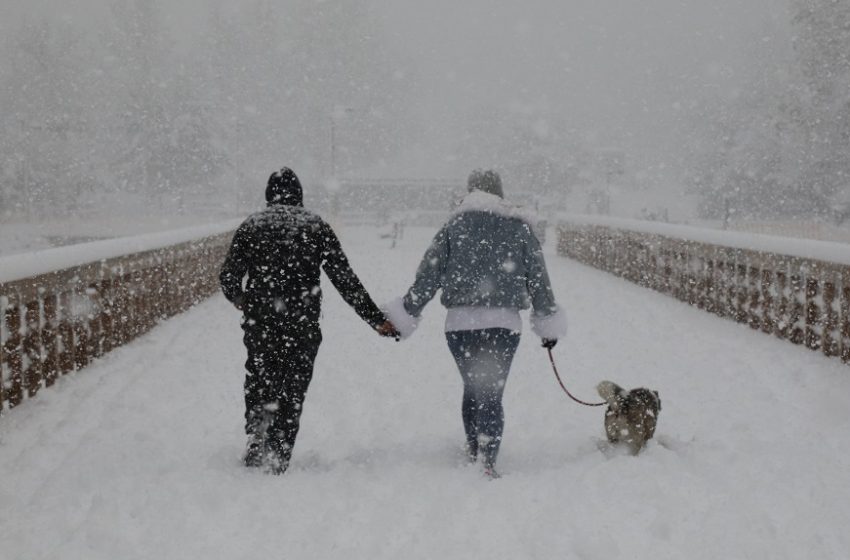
(281, 250)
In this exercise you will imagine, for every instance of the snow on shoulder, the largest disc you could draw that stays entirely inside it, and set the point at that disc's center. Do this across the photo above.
(283, 214)
(479, 201)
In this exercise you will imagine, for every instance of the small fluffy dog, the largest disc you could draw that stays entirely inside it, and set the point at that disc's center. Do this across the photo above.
(631, 416)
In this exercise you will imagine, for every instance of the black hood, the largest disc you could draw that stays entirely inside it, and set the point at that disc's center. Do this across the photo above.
(284, 188)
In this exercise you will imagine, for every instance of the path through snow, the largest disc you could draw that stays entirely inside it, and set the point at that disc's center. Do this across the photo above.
(138, 455)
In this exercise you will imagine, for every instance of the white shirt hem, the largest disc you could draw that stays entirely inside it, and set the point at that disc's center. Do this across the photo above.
(478, 318)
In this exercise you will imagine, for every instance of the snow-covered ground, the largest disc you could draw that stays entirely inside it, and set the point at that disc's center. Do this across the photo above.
(138, 455)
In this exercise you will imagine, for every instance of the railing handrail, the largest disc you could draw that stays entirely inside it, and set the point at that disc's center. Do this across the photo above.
(803, 300)
(43, 262)
(58, 321)
(812, 249)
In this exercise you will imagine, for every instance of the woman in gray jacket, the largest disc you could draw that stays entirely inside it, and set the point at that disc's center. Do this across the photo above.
(489, 264)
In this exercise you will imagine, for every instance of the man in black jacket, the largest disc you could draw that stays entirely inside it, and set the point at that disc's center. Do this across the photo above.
(281, 250)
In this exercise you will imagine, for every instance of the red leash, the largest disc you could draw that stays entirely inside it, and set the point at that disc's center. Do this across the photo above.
(555, 369)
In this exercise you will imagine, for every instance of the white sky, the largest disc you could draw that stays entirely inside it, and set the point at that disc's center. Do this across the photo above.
(621, 73)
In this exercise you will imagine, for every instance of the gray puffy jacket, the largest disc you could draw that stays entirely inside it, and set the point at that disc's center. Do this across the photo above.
(486, 255)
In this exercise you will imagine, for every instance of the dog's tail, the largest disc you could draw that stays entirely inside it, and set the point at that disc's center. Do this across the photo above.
(608, 390)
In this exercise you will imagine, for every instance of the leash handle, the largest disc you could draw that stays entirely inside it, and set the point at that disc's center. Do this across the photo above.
(561, 383)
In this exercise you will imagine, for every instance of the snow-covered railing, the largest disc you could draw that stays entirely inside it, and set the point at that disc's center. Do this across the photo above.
(62, 308)
(798, 290)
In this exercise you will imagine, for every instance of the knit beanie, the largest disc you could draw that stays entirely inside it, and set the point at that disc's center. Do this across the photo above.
(485, 181)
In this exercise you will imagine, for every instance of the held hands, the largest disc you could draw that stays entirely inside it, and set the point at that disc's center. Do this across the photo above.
(388, 329)
(549, 343)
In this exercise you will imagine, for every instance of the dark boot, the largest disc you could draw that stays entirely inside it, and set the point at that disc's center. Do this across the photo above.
(277, 458)
(275, 464)
(254, 452)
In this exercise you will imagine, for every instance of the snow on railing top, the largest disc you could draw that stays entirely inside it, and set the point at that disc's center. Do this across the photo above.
(16, 267)
(804, 248)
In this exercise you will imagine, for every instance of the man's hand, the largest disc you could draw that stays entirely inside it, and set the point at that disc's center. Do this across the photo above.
(237, 302)
(388, 329)
(549, 343)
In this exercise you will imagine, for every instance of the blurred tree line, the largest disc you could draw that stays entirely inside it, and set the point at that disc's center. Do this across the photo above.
(129, 113)
(781, 146)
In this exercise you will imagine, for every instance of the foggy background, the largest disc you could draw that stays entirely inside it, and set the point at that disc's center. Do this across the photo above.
(678, 110)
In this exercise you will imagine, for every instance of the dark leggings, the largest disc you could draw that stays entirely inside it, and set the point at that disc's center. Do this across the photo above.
(279, 370)
(484, 359)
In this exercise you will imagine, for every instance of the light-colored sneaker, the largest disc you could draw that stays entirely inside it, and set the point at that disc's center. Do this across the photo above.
(491, 473)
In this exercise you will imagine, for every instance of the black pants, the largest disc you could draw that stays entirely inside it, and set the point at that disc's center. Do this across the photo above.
(484, 359)
(279, 370)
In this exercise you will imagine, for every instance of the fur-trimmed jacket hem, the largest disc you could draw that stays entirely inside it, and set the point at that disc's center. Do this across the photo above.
(404, 322)
(553, 326)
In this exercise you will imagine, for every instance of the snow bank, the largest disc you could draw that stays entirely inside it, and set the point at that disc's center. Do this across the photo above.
(805, 248)
(16, 267)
